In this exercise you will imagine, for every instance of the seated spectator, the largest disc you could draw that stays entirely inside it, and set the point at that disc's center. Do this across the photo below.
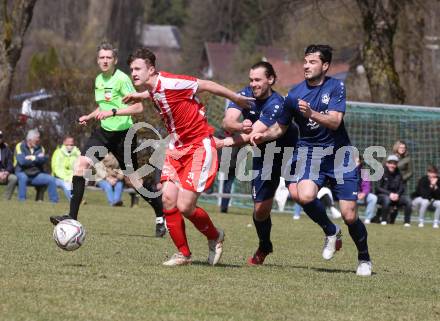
(390, 192)
(63, 160)
(110, 178)
(427, 193)
(7, 176)
(365, 196)
(30, 158)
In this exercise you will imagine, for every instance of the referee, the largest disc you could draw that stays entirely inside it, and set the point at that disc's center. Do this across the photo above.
(111, 85)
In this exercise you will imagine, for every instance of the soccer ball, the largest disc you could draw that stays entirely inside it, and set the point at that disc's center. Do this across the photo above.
(69, 234)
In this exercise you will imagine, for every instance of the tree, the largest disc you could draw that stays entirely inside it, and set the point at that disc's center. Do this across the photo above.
(15, 17)
(379, 21)
(258, 21)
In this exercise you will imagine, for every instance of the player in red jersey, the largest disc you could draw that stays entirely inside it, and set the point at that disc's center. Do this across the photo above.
(191, 158)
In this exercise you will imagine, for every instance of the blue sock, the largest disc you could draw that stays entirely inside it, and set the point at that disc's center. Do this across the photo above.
(316, 211)
(359, 235)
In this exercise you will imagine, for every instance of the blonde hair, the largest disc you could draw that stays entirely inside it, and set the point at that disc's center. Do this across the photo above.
(396, 148)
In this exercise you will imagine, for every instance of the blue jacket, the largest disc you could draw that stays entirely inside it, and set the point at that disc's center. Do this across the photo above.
(6, 162)
(22, 150)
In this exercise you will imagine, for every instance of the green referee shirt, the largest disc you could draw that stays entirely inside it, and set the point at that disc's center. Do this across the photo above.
(108, 95)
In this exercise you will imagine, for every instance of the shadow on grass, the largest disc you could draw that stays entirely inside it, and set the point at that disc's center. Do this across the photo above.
(302, 267)
(201, 263)
(79, 265)
(127, 235)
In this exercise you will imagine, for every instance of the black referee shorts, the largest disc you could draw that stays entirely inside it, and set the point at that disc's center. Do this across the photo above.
(113, 141)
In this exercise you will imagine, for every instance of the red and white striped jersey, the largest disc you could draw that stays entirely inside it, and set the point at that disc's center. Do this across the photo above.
(181, 111)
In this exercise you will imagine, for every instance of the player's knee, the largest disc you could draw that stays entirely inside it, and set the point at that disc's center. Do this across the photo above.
(261, 213)
(186, 209)
(349, 216)
(168, 201)
(83, 163)
(305, 198)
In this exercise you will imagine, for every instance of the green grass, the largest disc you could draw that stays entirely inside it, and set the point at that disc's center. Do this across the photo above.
(117, 274)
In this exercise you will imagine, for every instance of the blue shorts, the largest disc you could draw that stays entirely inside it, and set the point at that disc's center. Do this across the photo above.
(341, 174)
(265, 184)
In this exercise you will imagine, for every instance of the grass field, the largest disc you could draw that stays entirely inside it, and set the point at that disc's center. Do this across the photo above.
(117, 274)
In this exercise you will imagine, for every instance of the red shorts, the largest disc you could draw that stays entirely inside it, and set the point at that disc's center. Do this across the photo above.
(194, 170)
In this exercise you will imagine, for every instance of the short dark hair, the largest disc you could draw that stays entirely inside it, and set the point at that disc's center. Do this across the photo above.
(105, 45)
(67, 136)
(325, 52)
(269, 70)
(432, 169)
(143, 53)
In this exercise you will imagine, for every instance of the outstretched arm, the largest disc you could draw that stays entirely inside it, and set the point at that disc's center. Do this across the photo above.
(219, 90)
(241, 139)
(273, 132)
(136, 108)
(231, 122)
(85, 118)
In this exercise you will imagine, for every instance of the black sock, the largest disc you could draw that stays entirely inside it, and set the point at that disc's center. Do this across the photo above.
(78, 186)
(316, 211)
(156, 203)
(263, 231)
(359, 235)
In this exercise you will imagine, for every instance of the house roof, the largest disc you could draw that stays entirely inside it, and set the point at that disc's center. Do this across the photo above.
(160, 36)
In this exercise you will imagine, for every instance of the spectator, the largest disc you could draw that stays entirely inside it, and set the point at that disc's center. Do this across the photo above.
(365, 196)
(7, 176)
(427, 192)
(110, 178)
(30, 158)
(63, 160)
(390, 192)
(400, 149)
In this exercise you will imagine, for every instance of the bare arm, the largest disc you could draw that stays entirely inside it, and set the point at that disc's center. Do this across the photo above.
(273, 132)
(241, 139)
(136, 108)
(136, 97)
(85, 118)
(219, 90)
(231, 122)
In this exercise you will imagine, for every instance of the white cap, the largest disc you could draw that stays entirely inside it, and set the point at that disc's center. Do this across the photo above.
(393, 158)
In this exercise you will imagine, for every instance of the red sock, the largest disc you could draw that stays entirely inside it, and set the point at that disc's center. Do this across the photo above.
(203, 223)
(176, 228)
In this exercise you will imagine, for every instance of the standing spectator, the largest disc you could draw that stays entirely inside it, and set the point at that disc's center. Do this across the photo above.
(30, 158)
(365, 196)
(428, 190)
(400, 149)
(110, 178)
(63, 160)
(6, 169)
(390, 192)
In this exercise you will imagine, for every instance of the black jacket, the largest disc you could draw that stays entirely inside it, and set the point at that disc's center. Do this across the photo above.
(6, 161)
(391, 183)
(424, 189)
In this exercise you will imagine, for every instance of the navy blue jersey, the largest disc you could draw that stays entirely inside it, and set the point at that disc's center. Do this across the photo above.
(329, 96)
(267, 111)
